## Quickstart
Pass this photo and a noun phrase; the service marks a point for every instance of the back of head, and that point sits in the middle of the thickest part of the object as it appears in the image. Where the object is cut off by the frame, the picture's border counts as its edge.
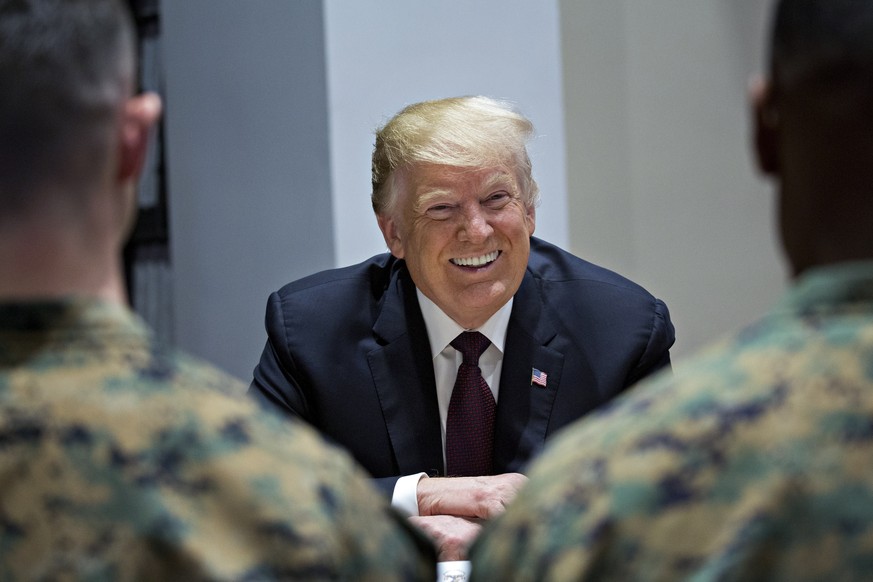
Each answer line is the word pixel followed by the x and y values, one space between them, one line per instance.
pixel 464 132
pixel 822 54
pixel 815 129
pixel 65 69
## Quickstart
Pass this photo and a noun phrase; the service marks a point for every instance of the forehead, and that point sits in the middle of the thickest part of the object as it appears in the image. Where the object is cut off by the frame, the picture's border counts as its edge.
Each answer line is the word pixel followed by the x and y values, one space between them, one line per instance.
pixel 429 180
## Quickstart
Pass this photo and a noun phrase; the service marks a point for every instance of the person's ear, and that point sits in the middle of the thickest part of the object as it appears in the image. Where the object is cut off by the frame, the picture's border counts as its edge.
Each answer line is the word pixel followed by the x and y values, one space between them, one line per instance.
pixel 391 233
pixel 138 117
pixel 531 219
pixel 766 125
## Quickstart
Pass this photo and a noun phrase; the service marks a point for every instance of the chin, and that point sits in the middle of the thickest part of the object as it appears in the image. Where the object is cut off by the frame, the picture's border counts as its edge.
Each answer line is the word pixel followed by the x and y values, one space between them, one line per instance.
pixel 488 308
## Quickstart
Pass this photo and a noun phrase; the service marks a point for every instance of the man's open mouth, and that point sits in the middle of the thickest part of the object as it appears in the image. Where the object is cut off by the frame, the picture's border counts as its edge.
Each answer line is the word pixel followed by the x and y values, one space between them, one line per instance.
pixel 479 261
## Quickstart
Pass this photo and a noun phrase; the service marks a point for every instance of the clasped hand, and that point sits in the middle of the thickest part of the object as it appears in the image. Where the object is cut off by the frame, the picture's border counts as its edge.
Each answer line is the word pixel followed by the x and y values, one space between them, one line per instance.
pixel 452 509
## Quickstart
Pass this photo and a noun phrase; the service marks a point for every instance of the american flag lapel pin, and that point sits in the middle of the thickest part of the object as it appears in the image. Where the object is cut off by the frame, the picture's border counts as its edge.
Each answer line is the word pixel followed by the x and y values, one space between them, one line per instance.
pixel 538 377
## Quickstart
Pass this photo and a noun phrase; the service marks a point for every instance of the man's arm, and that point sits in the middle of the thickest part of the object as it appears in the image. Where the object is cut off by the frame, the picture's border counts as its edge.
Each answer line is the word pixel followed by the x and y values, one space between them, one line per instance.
pixel 657 353
pixel 273 384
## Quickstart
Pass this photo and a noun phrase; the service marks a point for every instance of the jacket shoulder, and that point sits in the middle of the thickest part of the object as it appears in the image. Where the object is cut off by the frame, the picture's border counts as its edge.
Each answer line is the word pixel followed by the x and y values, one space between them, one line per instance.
pixel 374 273
pixel 552 264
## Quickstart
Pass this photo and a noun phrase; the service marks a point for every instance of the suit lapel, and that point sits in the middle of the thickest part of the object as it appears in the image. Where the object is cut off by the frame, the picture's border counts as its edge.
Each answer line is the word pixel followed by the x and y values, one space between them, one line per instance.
pixel 524 408
pixel 403 375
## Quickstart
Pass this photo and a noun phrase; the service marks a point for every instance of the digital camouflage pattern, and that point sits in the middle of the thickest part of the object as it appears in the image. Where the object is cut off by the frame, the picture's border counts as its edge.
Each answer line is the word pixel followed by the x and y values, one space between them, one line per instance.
pixel 122 460
pixel 753 462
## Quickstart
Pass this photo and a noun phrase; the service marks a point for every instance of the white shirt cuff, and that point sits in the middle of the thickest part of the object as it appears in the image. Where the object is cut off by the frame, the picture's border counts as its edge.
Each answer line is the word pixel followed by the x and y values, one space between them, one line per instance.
pixel 405 497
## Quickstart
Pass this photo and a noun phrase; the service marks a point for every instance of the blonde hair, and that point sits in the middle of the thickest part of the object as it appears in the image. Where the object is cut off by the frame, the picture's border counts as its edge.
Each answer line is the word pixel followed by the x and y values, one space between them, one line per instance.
pixel 464 132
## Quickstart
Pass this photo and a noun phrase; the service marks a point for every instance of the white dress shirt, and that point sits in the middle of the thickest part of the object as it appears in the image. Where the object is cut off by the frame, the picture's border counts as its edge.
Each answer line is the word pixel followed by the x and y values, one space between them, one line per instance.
pixel 441 330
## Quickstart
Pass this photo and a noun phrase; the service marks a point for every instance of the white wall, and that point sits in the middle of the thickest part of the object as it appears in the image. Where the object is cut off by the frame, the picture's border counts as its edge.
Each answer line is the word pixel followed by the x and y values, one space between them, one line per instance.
pixel 662 185
pixel 385 54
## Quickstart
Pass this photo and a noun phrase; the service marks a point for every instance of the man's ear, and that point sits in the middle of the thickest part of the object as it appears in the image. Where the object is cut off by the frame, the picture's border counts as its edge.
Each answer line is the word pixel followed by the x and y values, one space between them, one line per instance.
pixel 531 218
pixel 138 116
pixel 766 125
pixel 391 233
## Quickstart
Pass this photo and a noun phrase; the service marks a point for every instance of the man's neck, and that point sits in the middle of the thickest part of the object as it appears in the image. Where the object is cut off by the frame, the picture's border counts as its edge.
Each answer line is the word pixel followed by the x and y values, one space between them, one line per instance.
pixel 43 263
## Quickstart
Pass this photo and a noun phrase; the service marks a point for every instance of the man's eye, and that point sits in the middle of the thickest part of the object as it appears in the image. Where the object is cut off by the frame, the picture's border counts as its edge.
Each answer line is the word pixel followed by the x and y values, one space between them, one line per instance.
pixel 439 211
pixel 497 199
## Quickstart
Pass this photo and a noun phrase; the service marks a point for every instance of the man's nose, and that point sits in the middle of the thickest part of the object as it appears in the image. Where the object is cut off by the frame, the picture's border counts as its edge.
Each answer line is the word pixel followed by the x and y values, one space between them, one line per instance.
pixel 475 227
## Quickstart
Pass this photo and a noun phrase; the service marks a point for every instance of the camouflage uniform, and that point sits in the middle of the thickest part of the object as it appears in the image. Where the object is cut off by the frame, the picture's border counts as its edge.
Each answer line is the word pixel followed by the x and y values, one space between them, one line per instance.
pixel 122 460
pixel 753 462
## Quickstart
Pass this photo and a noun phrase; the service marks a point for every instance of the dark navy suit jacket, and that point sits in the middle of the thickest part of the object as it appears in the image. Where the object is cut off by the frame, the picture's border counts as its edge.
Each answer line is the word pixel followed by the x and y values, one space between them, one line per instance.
pixel 347 351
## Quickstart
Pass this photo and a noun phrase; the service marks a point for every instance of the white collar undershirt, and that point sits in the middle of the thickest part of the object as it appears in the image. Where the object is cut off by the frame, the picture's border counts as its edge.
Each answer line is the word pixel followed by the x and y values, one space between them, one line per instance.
pixel 441 330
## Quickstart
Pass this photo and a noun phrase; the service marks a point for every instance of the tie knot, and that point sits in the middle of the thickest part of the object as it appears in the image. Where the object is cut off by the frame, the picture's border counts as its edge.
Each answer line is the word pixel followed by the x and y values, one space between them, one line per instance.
pixel 471 344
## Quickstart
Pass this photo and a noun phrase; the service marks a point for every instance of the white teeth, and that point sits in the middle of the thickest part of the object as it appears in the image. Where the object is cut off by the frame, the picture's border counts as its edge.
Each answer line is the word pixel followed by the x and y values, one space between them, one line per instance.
pixel 476 261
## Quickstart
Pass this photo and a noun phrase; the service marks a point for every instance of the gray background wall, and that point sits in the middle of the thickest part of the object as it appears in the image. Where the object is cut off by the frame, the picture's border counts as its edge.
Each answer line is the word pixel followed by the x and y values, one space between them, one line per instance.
pixel 662 184
pixel 248 165
pixel 643 156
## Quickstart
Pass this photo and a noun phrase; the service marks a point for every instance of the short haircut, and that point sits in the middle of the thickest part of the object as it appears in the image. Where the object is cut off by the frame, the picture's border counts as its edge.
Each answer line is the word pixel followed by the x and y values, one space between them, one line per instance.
pixel 826 44
pixel 65 68
pixel 464 132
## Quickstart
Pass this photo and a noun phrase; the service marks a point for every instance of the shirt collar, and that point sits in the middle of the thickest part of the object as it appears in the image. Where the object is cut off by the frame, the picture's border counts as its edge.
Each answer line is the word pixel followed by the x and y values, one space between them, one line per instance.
pixel 442 329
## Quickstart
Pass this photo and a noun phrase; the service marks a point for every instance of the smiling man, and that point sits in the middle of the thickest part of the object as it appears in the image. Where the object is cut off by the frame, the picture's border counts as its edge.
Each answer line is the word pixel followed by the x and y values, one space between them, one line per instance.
pixel 466 234
pixel 445 365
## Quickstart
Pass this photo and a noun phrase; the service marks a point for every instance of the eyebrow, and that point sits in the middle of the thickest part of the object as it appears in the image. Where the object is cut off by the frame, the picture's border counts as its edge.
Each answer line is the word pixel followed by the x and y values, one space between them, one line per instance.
pixel 497 178
pixel 429 196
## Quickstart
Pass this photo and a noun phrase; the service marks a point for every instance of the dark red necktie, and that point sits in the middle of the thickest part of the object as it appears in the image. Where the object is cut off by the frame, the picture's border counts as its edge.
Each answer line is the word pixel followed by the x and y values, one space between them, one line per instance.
pixel 470 420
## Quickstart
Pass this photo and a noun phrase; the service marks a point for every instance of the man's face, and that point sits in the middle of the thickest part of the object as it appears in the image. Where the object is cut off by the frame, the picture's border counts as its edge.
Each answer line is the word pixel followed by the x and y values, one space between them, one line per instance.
pixel 465 236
